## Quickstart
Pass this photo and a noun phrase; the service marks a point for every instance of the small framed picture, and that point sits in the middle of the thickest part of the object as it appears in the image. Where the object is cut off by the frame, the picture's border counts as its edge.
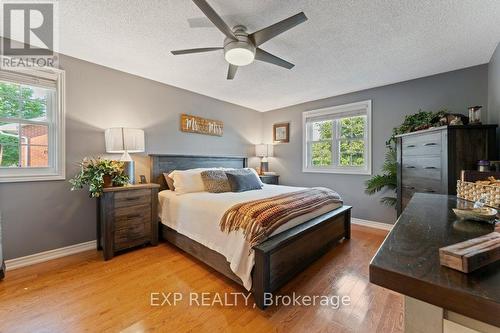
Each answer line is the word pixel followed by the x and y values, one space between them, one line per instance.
pixel 281 132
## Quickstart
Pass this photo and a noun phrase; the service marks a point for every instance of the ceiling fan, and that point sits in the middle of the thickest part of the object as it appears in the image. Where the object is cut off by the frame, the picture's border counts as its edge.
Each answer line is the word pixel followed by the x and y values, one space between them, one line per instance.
pixel 241 48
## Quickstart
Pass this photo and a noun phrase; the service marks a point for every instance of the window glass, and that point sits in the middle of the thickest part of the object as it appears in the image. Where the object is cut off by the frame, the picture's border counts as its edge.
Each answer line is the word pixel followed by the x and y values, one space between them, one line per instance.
pixel 321 153
pixel 31 125
pixel 337 139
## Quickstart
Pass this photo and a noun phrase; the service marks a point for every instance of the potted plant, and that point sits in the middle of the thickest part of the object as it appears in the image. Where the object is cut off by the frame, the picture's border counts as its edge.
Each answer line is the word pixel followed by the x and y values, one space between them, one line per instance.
pixel 98 173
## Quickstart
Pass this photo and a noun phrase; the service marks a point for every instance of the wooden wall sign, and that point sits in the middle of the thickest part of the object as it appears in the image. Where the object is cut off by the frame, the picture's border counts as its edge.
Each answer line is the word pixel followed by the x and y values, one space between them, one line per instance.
pixel 195 124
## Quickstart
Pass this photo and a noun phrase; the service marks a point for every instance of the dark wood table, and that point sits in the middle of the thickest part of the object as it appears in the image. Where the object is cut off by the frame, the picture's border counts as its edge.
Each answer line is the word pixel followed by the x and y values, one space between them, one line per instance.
pixel 408 260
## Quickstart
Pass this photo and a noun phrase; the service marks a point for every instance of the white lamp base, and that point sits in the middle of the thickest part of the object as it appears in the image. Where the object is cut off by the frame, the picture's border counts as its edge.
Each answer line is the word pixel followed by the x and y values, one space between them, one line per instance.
pixel 129 167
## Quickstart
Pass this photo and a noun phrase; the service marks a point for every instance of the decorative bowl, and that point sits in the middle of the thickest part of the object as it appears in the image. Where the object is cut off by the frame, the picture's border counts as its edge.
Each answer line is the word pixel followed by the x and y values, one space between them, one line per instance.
pixel 484 214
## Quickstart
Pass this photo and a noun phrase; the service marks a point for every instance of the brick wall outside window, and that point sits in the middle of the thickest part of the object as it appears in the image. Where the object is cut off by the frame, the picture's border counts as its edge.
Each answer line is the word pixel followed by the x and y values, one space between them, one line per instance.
pixel 34 147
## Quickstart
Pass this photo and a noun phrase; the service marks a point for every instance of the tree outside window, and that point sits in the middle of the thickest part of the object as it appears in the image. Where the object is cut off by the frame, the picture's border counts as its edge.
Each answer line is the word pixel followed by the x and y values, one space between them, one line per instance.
pixel 23 127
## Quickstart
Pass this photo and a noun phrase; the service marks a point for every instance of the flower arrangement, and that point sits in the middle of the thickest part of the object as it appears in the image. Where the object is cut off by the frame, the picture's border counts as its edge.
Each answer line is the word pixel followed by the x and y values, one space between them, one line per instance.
pixel 98 173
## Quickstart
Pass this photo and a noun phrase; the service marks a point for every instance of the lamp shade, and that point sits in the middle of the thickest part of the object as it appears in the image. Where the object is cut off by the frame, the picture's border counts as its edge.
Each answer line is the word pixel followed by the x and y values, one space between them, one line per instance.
pixel 120 140
pixel 264 150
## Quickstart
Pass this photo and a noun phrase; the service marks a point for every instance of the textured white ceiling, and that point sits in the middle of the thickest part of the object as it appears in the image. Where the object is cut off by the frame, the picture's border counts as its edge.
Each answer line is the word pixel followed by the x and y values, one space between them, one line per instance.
pixel 345 46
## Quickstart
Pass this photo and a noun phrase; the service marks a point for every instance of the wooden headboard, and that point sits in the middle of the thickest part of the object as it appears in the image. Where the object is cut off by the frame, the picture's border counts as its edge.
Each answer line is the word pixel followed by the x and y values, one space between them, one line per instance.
pixel 168 163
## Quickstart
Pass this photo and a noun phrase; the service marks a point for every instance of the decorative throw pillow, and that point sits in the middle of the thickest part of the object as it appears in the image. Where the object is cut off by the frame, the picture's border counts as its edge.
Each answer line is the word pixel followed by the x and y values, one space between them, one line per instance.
pixel 243 180
pixel 245 171
pixel 170 182
pixel 215 181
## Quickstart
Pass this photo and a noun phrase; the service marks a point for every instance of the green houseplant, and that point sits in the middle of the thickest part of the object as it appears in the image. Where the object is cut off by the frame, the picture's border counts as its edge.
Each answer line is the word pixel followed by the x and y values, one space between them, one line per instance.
pixel 98 173
pixel 387 179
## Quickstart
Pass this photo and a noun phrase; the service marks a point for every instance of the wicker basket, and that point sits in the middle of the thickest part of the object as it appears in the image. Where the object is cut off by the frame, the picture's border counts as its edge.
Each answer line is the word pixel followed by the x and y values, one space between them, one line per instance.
pixel 473 192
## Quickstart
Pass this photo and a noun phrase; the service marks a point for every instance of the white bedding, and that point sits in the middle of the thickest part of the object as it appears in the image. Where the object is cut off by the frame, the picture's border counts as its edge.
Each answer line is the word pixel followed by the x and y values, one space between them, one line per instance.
pixel 197 216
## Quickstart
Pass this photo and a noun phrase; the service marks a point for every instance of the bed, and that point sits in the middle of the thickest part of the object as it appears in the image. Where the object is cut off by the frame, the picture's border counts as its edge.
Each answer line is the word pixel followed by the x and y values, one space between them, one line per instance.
pixel 263 268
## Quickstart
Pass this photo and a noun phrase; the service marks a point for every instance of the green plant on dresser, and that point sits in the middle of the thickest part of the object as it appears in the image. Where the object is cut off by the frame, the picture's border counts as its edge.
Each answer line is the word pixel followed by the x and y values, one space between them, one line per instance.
pixel 97 174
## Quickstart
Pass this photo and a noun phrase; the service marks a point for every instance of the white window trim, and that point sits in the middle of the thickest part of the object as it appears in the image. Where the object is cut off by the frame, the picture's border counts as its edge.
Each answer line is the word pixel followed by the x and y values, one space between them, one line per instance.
pixel 57 133
pixel 346 108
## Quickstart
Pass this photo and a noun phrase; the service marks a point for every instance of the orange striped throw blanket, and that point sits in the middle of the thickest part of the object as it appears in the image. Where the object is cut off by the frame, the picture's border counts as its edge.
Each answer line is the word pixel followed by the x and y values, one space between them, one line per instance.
pixel 260 218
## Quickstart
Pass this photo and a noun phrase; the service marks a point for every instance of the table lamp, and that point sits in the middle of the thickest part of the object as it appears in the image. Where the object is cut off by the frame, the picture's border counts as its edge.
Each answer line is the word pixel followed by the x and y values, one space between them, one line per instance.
pixel 264 151
pixel 125 140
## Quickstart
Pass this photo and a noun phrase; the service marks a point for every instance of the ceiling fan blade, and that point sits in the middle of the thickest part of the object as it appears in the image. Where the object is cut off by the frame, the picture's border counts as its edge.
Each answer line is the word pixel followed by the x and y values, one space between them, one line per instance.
pixel 198 50
pixel 231 72
pixel 262 55
pixel 263 35
pixel 215 18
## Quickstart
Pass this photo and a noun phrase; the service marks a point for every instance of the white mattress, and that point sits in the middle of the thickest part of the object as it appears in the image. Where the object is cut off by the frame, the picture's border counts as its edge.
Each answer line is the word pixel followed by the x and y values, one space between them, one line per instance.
pixel 197 216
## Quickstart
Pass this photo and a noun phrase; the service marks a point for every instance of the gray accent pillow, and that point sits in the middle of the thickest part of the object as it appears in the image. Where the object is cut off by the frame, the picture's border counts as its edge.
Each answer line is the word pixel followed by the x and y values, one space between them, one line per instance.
pixel 170 182
pixel 215 181
pixel 243 180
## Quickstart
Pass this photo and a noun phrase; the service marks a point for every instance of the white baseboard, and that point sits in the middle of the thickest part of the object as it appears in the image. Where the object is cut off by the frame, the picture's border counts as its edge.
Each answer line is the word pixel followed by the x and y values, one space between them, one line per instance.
pixel 372 224
pixel 49 255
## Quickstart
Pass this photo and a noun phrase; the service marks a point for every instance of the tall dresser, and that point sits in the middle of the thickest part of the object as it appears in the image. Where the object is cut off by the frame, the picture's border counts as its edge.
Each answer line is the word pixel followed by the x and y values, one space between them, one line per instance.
pixel 430 161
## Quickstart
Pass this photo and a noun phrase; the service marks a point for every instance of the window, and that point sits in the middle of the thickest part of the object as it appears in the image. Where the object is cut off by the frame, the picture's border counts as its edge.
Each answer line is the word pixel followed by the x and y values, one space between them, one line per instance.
pixel 338 139
pixel 31 125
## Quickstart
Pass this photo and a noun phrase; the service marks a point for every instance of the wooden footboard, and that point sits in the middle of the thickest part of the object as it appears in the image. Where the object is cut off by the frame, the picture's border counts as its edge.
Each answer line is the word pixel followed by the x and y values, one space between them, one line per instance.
pixel 281 257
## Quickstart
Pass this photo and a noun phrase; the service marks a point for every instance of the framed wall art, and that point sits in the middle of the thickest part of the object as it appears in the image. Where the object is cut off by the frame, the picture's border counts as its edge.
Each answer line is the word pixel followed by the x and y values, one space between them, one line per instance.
pixel 281 132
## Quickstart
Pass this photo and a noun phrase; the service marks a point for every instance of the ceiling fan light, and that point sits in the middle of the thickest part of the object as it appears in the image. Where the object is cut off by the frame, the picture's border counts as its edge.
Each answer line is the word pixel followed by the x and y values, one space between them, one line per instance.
pixel 239 56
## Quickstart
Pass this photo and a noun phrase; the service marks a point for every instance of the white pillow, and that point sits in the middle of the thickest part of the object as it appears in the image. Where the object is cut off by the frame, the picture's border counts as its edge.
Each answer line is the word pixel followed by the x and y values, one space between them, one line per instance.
pixel 188 181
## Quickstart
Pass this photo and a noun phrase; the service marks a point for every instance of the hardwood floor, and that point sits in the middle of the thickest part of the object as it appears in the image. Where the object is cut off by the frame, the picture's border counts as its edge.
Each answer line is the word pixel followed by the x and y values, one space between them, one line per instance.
pixel 82 293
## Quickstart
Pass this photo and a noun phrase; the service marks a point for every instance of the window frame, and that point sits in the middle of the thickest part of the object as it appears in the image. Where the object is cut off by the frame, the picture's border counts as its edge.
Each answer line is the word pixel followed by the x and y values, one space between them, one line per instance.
pixel 333 113
pixel 56 169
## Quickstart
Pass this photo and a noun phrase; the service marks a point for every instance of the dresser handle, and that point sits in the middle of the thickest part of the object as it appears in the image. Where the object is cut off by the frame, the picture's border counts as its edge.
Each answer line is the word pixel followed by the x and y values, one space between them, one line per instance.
pixel 430 144
pixel 410 167
pixel 430 167
pixel 428 190
pixel 133 216
pixel 410 146
pixel 132 198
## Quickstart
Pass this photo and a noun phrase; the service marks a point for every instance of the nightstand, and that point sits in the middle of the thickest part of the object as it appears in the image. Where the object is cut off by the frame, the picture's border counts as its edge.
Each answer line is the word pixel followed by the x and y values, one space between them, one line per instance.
pixel 127 217
pixel 270 179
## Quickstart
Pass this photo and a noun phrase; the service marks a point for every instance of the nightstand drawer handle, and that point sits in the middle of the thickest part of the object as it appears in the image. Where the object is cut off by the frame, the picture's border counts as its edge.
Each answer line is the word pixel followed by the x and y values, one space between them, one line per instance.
pixel 132 198
pixel 430 168
pixel 430 144
pixel 133 216
pixel 410 146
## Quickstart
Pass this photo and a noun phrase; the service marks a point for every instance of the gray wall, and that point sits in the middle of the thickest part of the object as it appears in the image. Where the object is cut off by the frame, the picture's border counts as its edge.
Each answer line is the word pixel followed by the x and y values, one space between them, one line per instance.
pixel 494 89
pixel 39 216
pixel 453 90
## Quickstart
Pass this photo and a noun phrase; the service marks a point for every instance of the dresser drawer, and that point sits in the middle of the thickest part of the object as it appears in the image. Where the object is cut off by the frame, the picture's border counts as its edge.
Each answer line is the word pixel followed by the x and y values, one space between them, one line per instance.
pixel 421 167
pixel 428 187
pixel 426 144
pixel 132 236
pixel 131 198
pixel 129 216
